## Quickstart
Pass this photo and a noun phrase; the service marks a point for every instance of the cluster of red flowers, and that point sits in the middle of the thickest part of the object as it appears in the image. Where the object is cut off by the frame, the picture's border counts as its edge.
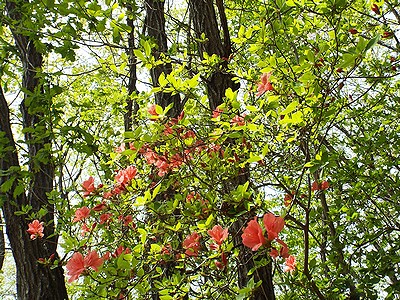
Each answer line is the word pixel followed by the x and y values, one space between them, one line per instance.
pixel 161 162
pixel 88 186
pixel 35 229
pixel 123 179
pixel 81 214
pixel 254 237
pixel 192 245
pixel 218 235
pixel 79 264
pixel 324 185
pixel 265 85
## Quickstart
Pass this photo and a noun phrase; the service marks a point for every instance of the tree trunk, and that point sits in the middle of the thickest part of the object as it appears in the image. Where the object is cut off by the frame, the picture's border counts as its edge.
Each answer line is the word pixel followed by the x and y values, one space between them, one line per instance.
pixel 131 106
pixel 2 245
pixel 155 25
pixel 204 20
pixel 34 281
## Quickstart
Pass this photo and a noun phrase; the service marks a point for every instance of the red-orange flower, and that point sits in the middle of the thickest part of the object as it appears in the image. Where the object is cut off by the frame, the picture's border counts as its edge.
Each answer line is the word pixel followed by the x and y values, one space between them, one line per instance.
pixel 35 229
pixel 192 244
pixel 290 264
pixel 238 120
pixel 92 260
pixel 217 112
pixel 314 186
pixel 284 251
pixel 324 185
pixel 152 110
pixel 273 224
pixel 75 266
pixel 274 253
pixel 78 264
pixel 105 218
pixel 100 207
pixel 121 250
pixel 264 85
pixel 253 236
pixel 126 175
pixel 218 234
pixel 88 186
pixel 81 214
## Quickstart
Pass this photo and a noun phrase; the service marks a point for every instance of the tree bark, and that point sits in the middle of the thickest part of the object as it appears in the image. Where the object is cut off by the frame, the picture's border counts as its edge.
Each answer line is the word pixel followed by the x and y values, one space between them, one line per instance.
pixel 2 245
pixel 131 106
pixel 34 281
pixel 204 19
pixel 155 25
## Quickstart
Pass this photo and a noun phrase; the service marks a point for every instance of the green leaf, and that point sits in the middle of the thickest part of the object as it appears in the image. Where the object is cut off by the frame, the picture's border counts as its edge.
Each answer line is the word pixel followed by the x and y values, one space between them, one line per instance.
pixel 372 42
pixel 139 55
pixel 291 107
pixel 6 186
pixel 155 191
pixel 155 248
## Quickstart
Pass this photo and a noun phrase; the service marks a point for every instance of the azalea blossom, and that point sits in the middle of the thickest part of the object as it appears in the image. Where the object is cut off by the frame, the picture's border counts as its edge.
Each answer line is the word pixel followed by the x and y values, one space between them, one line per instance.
pixel 121 250
pixel 274 253
pixel 126 175
pixel 35 229
pixel 288 199
pixel 81 214
pixel 152 110
pixel 100 207
pixel 314 186
pixel 217 112
pixel 78 264
pixel 273 224
pixel 126 220
pixel 218 234
pixel 88 186
pixel 284 251
pixel 224 261
pixel 238 120
pixel 92 260
pixel 264 85
pixel 150 156
pixel 324 185
pixel 85 229
pixel 105 218
pixel 75 266
pixel 176 160
pixel 191 244
pixel 253 236
pixel 290 264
